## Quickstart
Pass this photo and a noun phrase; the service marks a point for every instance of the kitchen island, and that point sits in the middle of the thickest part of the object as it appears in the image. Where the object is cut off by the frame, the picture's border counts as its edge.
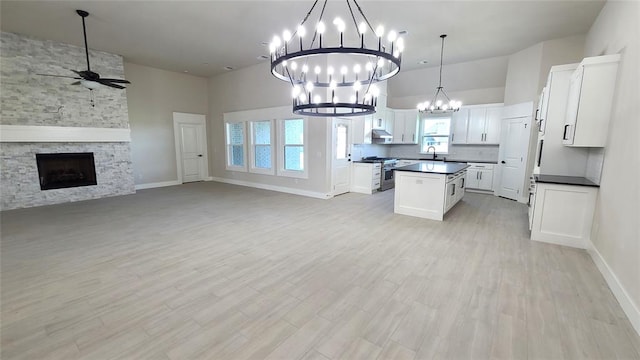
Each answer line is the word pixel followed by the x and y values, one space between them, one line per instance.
pixel 428 189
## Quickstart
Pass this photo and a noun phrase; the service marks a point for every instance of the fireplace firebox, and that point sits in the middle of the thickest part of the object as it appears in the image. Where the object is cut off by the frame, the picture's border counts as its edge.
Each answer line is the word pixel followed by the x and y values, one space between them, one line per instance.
pixel 65 170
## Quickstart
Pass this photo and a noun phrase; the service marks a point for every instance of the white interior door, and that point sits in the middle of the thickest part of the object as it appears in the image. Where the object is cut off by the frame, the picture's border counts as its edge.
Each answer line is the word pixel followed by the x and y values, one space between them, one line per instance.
pixel 512 164
pixel 341 156
pixel 191 147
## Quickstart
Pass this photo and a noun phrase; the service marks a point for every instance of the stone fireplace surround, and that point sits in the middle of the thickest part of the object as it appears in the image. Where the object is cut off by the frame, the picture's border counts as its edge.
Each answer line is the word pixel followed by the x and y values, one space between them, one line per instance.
pixel 47 115
pixel 19 181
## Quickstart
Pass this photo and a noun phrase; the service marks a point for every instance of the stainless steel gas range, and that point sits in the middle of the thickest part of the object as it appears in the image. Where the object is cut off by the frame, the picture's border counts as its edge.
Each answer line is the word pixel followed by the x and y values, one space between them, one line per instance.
pixel 387 180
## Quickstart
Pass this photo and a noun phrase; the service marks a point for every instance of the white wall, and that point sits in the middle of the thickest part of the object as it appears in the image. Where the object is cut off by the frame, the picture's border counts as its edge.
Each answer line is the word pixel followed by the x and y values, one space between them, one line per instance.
pixel 616 225
pixel 152 98
pixel 474 82
pixel 255 88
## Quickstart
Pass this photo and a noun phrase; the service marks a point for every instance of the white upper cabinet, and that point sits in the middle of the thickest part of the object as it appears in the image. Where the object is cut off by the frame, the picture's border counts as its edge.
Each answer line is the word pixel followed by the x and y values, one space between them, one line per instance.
pixel 459 123
pixel 361 129
pixel 405 127
pixel 492 125
pixel 590 101
pixel 484 125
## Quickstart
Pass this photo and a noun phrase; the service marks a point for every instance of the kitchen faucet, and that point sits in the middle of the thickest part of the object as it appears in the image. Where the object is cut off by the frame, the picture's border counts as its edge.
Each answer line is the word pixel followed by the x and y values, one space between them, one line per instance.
pixel 434 151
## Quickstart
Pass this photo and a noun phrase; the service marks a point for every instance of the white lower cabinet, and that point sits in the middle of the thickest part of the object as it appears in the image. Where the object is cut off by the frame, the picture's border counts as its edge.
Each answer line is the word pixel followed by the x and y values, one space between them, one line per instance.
pixel 365 178
pixel 427 195
pixel 563 214
pixel 480 176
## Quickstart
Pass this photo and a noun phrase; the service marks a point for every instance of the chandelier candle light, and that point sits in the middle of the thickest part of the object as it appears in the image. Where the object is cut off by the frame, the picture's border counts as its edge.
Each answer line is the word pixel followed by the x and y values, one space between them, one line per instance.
pixel 333 72
pixel 437 105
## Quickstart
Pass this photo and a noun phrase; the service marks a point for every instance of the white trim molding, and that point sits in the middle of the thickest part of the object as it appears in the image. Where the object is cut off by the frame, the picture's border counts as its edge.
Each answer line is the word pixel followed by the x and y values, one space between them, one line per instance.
pixel 157 184
pixel 31 133
pixel 282 189
pixel 627 304
pixel 193 119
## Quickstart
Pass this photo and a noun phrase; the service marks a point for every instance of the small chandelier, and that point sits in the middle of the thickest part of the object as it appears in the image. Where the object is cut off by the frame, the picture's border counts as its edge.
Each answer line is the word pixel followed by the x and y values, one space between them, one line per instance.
pixel 334 73
pixel 444 104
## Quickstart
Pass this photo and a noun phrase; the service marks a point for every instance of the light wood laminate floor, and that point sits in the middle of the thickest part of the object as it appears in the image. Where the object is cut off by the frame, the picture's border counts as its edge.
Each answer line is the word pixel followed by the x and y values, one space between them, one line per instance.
pixel 216 271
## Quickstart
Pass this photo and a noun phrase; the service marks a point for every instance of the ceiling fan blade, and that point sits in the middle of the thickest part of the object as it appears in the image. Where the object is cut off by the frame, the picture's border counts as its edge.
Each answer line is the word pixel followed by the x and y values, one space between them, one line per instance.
pixel 107 83
pixel 121 81
pixel 62 76
pixel 76 83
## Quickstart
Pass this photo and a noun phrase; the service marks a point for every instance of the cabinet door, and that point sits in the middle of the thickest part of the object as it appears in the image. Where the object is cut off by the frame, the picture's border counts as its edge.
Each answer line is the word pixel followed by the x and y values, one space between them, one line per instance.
pixel 461 186
pixel 573 102
pixel 459 122
pixel 449 197
pixel 486 180
pixel 357 130
pixel 475 134
pixel 493 122
pixel 398 128
pixel 389 117
pixel 368 126
pixel 473 179
pixel 410 127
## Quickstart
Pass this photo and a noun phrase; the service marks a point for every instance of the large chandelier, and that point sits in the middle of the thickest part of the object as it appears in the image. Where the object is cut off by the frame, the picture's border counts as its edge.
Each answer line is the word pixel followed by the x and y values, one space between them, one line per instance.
pixel 440 105
pixel 333 72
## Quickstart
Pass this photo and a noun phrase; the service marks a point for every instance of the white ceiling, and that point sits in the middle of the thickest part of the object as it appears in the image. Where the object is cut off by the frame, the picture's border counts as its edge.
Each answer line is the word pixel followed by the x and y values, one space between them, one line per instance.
pixel 203 37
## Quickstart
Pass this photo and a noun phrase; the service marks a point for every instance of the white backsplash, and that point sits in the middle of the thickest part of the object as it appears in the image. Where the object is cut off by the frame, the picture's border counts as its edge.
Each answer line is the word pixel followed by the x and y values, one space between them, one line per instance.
pixel 358 151
pixel 456 152
pixel 594 164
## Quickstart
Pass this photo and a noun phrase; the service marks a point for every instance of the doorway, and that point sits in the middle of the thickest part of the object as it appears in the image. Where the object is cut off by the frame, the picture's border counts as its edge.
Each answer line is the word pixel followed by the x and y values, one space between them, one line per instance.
pixel 514 149
pixel 341 156
pixel 190 134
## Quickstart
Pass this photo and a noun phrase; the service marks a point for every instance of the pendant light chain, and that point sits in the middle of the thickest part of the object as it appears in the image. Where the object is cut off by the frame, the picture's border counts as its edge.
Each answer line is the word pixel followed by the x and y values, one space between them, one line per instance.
pixel 438 106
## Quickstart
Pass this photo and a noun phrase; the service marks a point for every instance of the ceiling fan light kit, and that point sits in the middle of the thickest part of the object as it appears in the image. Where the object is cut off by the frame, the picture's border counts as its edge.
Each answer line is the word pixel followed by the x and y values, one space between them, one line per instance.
pixel 440 105
pixel 87 78
pixel 332 73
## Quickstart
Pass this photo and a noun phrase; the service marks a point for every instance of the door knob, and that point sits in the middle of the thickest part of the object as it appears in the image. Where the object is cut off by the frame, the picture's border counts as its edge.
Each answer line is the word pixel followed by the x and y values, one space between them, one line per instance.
pixel 199 155
pixel 504 162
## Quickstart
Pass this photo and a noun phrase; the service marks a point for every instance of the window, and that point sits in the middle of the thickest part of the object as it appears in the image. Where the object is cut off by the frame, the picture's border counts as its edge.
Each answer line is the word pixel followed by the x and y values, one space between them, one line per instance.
pixel 235 146
pixel 261 155
pixel 435 132
pixel 292 150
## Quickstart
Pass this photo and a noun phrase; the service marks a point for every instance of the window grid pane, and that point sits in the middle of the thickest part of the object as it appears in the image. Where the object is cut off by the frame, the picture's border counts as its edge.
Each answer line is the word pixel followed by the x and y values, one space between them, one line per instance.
pixel 236 133
pixel 294 132
pixel 262 132
pixel 236 155
pixel 294 157
pixel 263 156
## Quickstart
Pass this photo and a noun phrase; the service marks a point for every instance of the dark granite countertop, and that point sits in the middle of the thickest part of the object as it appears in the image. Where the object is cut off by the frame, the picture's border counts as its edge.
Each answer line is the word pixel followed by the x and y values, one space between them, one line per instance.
pixel 435 167
pixel 450 160
pixel 565 180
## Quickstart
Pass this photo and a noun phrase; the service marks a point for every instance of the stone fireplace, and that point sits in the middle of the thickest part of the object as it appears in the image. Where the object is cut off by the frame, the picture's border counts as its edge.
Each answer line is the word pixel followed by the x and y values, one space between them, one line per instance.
pixel 47 115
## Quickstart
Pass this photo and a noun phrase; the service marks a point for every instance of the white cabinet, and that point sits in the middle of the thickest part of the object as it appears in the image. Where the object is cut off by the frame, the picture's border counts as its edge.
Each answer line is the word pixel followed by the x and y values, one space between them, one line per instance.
pixel 459 123
pixel 361 129
pixel 543 106
pixel 480 176
pixel 365 178
pixel 563 214
pixel 455 188
pixel 590 102
pixel 405 127
pixel 427 195
pixel 476 124
pixel 484 125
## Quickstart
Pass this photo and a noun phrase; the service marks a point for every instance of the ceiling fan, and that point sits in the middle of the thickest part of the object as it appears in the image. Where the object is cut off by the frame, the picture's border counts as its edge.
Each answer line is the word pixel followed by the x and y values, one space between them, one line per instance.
pixel 87 78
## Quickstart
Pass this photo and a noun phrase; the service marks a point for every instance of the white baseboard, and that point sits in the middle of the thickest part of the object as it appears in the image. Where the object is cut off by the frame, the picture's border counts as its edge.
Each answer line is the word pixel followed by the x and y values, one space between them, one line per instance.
pixel 627 304
pixel 283 189
pixel 157 184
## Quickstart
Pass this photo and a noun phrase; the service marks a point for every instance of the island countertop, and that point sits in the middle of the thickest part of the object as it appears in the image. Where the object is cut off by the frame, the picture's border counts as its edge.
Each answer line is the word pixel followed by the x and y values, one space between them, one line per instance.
pixel 434 167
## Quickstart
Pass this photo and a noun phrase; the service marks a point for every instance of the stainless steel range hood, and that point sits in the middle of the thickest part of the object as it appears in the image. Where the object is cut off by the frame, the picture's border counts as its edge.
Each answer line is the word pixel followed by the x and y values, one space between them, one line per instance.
pixel 380 134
